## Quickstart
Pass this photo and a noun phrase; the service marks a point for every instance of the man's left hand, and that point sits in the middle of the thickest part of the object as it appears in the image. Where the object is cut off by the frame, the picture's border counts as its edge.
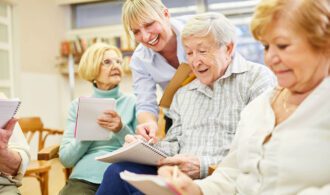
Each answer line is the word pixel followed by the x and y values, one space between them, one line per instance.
pixel 189 164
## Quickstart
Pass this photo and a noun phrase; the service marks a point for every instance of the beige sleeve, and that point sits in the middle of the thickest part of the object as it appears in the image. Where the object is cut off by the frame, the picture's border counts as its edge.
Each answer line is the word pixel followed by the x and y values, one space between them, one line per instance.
pixel 18 143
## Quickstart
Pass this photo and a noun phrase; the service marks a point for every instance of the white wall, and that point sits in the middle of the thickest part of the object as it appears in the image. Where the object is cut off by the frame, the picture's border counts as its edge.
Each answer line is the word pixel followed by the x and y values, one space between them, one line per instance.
pixel 39 28
pixel 40 94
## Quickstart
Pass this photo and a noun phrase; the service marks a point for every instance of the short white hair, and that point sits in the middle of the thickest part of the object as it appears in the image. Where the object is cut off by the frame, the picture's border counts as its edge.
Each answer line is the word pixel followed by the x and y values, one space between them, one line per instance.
pixel 215 24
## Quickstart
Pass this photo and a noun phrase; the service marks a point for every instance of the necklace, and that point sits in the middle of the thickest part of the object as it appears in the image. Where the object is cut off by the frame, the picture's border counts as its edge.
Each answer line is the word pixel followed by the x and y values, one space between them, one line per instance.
pixel 286 105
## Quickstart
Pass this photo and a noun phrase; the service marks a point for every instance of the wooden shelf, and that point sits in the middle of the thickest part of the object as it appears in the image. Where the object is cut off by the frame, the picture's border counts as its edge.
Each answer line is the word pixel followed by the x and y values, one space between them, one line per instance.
pixel 64 70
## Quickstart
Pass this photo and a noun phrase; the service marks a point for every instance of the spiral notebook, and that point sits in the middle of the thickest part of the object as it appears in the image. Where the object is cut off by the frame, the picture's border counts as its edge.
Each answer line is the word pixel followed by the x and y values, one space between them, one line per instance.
pixel 150 184
pixel 89 109
pixel 138 152
pixel 8 109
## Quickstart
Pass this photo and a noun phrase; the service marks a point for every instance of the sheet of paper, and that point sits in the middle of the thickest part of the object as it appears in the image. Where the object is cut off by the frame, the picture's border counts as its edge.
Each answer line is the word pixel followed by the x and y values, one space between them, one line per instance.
pixel 8 108
pixel 89 109
pixel 150 184
pixel 138 152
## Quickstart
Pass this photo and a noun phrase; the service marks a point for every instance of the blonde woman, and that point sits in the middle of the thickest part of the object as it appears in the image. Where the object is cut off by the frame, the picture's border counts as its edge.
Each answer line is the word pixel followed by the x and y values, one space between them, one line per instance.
pixel 101 66
pixel 283 139
pixel 156 58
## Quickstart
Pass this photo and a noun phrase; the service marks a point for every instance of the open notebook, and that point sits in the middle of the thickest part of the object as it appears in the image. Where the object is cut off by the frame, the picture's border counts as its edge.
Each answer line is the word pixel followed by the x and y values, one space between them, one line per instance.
pixel 8 108
pixel 138 152
pixel 150 184
pixel 89 109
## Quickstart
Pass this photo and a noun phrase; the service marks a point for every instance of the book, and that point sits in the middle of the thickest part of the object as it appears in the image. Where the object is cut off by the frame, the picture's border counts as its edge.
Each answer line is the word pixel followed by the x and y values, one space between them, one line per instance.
pixel 150 184
pixel 138 152
pixel 182 76
pixel 8 109
pixel 89 109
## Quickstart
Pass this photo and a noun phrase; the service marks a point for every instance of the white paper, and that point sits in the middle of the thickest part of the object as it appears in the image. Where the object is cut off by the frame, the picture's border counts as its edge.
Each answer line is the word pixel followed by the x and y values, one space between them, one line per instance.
pixel 8 108
pixel 149 184
pixel 138 152
pixel 89 110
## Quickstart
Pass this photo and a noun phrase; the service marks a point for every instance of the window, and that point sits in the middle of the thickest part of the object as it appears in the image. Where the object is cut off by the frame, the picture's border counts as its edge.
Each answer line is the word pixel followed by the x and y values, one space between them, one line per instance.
pixel 239 11
pixel 97 14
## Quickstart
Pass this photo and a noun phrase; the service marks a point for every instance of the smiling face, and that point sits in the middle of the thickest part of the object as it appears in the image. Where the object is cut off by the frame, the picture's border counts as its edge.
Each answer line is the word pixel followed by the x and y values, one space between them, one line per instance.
pixel 110 71
pixel 154 34
pixel 206 58
pixel 295 63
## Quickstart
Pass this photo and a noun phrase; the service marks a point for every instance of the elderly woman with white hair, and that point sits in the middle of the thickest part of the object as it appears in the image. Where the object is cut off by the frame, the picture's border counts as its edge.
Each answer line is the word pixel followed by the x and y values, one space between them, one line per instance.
pixel 205 112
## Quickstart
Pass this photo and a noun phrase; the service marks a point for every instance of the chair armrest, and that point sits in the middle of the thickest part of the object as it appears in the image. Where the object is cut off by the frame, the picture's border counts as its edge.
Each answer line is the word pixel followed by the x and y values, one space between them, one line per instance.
pixel 211 169
pixel 49 153
pixel 54 131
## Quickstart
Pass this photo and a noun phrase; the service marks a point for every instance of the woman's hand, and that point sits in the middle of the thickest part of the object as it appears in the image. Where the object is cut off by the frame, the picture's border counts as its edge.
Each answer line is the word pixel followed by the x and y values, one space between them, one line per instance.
pixel 110 120
pixel 189 164
pixel 129 139
pixel 148 130
pixel 181 181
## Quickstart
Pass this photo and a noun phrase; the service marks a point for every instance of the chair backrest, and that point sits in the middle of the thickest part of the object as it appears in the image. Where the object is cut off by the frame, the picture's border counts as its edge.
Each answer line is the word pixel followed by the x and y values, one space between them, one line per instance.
pixel 182 77
pixel 31 126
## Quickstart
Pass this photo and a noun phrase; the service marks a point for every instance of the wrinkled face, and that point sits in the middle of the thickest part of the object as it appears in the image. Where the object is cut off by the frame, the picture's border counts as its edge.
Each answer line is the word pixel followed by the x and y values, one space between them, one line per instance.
pixel 153 34
pixel 206 58
pixel 110 70
pixel 295 63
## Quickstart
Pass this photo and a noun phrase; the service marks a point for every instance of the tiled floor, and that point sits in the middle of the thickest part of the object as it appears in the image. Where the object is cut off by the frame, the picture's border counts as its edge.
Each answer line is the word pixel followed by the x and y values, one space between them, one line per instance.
pixel 56 181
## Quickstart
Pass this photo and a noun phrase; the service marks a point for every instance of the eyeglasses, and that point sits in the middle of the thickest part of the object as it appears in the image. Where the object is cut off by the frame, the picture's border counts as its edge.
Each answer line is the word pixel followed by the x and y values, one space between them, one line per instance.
pixel 110 62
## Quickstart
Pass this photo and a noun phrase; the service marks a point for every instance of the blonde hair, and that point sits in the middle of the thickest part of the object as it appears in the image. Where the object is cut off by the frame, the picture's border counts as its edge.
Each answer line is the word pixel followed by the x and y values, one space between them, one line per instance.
pixel 137 11
pixel 89 66
pixel 311 17
pixel 216 24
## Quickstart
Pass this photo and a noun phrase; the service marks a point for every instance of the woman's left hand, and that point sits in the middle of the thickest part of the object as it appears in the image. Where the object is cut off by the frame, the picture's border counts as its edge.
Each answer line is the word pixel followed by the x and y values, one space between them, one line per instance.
pixel 188 164
pixel 184 184
pixel 110 120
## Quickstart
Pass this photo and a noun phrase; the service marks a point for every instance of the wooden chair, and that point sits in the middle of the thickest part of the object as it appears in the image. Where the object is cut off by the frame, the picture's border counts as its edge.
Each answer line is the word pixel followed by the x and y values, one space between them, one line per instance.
pixel 51 152
pixel 182 77
pixel 38 168
pixel 212 169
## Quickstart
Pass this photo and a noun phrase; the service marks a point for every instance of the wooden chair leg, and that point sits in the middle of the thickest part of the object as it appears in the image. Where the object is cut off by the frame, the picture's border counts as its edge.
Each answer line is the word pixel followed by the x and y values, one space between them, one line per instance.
pixel 44 182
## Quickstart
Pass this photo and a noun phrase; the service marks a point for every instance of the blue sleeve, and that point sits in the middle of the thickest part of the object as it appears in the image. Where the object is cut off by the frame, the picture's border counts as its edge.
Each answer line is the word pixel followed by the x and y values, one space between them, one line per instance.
pixel 131 120
pixel 144 88
pixel 72 150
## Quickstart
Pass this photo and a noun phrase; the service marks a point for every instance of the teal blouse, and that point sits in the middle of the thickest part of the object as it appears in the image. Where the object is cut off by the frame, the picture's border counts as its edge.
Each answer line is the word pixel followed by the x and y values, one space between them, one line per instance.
pixel 81 154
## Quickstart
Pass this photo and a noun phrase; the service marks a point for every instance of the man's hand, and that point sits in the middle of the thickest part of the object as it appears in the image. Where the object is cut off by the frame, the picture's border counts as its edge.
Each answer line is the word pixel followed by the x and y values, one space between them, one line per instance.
pixel 110 120
pixel 181 181
pixel 188 164
pixel 148 130
pixel 6 133
pixel 10 160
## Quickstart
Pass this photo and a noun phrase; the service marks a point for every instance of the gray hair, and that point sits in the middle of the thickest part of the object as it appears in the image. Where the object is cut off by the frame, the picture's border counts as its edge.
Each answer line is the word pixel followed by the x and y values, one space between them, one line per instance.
pixel 216 24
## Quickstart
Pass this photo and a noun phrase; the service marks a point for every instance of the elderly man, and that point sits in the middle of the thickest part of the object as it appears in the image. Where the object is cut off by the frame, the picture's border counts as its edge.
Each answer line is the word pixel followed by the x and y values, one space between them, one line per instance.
pixel 14 157
pixel 205 112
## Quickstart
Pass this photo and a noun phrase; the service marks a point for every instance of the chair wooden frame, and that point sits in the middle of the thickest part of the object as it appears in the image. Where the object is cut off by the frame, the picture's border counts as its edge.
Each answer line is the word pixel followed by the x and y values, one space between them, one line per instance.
pixel 51 152
pixel 38 169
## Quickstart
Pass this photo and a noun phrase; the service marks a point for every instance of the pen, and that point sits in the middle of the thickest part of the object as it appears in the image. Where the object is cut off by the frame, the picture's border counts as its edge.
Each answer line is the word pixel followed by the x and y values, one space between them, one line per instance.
pixel 175 172
pixel 150 141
